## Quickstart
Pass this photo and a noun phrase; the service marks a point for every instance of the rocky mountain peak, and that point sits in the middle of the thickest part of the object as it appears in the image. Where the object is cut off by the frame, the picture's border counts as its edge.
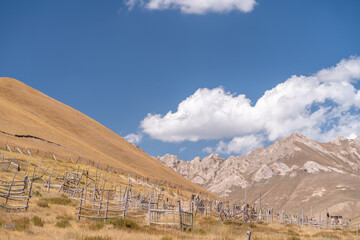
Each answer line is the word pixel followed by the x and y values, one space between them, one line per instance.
pixel 287 157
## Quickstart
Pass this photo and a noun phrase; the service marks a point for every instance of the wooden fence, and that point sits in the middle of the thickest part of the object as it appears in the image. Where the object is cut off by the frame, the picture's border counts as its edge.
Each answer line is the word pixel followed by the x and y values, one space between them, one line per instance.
pixel 15 194
pixel 171 217
pixel 249 214
pixel 81 160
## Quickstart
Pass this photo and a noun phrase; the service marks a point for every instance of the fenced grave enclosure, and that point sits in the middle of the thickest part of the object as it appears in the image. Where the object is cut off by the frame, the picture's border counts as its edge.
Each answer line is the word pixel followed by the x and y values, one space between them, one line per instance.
pixel 250 214
pixel 16 193
pixel 104 199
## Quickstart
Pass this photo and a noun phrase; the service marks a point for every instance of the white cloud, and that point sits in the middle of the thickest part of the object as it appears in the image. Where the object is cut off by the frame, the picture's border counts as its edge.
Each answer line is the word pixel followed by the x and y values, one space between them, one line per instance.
pixel 208 150
pixel 243 145
pixel 321 106
pixel 182 149
pixel 196 6
pixel 133 138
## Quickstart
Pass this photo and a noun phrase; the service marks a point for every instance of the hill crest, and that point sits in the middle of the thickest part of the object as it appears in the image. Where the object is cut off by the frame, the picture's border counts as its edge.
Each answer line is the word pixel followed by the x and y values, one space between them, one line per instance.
pixel 55 127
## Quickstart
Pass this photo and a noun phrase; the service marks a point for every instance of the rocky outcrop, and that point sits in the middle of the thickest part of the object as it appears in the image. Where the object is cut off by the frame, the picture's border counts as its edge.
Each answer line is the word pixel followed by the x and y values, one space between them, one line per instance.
pixel 286 157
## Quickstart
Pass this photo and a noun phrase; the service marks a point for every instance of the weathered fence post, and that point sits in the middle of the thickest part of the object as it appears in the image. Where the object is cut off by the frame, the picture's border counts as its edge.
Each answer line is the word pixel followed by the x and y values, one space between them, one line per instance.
pixel 248 235
pixel 180 216
pixel 220 211
pixel 9 191
pixel 210 208
pixel 302 218
pixel 102 196
pixel 150 208
pixel 319 219
pixel 30 189
pixel 107 206
pixel 82 195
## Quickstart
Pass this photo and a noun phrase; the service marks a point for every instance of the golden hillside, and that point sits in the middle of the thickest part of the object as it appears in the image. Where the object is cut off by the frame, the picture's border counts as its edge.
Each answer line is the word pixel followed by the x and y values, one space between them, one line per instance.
pixel 32 119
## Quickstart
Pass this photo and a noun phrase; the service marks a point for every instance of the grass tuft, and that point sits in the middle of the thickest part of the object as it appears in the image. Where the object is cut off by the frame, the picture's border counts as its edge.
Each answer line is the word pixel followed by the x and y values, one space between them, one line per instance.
pixel 37 193
pixel 166 238
pixel 37 221
pixel 96 226
pixel 63 223
pixel 199 231
pixel 21 224
pixel 42 204
pixel 121 223
pixel 58 200
pixel 96 238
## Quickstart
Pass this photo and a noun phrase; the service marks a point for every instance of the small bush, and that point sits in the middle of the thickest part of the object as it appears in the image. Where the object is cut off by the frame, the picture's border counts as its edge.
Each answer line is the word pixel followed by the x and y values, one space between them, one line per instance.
pixel 96 225
pixel 2 222
pixel 96 238
pixel 120 223
pixel 233 223
pixel 37 193
pixel 166 238
pixel 293 238
pixel 63 223
pixel 42 204
pixel 62 217
pixel 292 232
pixel 37 221
pixel 58 200
pixel 199 231
pixel 21 224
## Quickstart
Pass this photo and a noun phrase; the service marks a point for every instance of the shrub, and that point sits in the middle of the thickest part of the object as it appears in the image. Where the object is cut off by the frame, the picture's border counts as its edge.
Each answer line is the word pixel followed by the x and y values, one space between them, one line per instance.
pixel 58 200
pixel 166 238
pixel 294 238
pixel 66 217
pixel 253 226
pixel 96 225
pixel 96 238
pixel 37 193
pixel 42 204
pixel 120 223
pixel 199 231
pixel 63 223
pixel 21 224
pixel 37 221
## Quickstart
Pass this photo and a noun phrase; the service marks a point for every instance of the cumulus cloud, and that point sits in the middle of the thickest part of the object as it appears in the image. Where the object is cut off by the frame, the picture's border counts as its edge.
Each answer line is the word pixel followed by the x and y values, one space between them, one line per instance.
pixel 182 149
pixel 133 138
pixel 243 145
pixel 195 6
pixel 321 106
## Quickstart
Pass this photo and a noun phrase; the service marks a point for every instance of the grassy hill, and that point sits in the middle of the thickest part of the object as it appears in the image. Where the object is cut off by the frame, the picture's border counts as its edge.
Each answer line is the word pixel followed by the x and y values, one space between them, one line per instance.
pixel 32 119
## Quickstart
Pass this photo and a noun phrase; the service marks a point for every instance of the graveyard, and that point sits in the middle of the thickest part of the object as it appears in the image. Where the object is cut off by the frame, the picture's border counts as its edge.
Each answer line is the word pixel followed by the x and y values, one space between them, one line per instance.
pixel 43 196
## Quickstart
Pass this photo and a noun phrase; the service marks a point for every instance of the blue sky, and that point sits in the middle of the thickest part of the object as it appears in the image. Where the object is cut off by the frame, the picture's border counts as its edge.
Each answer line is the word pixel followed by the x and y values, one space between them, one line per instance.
pixel 118 61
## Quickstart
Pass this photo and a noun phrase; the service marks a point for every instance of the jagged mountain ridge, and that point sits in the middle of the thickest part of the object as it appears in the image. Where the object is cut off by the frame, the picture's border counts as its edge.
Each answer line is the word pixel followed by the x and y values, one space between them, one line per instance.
pixel 289 166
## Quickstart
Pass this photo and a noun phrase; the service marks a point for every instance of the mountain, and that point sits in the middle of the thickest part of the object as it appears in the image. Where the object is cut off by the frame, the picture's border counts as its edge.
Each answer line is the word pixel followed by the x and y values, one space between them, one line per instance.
pixel 292 173
pixel 30 118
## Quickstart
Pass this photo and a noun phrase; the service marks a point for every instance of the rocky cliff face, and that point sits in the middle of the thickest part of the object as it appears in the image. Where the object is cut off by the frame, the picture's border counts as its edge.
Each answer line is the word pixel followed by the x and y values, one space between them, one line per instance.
pixel 293 168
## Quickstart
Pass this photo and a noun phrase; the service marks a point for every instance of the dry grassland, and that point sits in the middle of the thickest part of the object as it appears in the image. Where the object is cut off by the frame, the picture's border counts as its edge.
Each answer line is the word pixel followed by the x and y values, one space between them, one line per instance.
pixel 53 216
pixel 51 126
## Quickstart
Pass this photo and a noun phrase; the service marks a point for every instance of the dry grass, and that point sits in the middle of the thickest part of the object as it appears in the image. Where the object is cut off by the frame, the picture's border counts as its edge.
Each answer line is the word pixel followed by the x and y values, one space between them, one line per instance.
pixel 61 223
pixel 26 111
pixel 53 216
